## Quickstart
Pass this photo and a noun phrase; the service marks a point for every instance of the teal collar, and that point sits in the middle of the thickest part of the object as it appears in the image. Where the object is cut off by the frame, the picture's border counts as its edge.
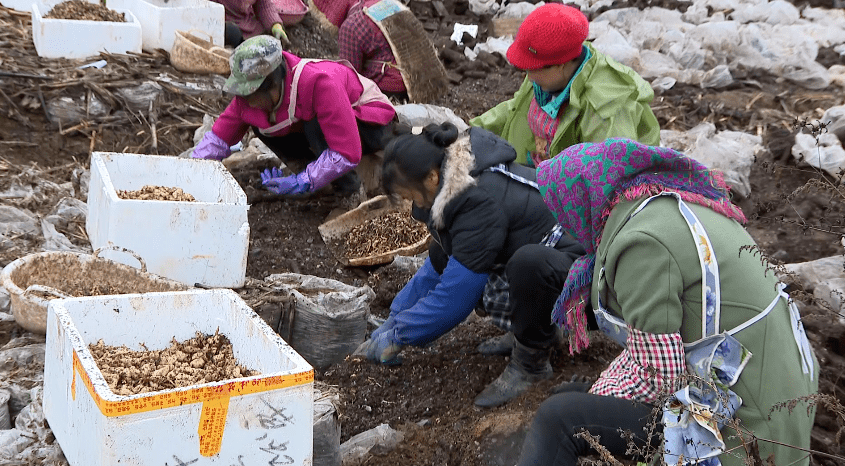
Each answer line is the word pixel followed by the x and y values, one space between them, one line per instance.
pixel 551 102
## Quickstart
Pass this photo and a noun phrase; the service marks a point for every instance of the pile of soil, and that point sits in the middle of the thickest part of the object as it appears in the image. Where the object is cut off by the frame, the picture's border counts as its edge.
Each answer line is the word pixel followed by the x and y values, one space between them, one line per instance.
pixel 202 359
pixel 382 234
pixel 156 193
pixel 85 11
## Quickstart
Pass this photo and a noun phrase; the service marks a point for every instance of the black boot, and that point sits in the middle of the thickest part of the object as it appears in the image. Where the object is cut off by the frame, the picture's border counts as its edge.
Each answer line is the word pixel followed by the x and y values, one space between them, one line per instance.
pixel 527 366
pixel 500 345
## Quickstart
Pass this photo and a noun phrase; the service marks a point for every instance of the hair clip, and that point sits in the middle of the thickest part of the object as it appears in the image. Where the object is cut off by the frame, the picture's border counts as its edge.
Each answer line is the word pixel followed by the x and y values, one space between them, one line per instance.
pixel 531 49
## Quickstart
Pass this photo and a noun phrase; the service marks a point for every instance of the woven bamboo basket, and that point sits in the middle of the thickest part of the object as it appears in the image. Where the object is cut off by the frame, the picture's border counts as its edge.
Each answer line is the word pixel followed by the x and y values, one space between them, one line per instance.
pixel 193 54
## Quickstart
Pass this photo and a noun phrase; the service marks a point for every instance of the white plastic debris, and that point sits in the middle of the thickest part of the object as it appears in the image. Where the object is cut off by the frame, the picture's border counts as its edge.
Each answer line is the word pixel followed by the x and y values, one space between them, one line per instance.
pixel 460 29
pixel 485 7
pixel 424 114
pixel 825 153
pixel 356 449
pixel 825 278
pixel 731 152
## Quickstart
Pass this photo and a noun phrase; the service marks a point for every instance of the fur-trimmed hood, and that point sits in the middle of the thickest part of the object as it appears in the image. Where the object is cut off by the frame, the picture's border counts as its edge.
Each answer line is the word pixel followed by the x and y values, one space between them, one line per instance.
pixel 472 153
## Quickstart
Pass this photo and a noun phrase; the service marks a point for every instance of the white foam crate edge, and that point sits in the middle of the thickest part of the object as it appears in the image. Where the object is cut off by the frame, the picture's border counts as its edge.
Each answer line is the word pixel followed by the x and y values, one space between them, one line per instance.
pixel 250 420
pixel 160 19
pixel 51 36
pixel 202 242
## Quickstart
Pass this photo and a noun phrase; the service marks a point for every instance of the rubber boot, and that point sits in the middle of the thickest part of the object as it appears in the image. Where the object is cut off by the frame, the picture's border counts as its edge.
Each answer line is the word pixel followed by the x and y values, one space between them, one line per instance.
pixel 527 366
pixel 500 345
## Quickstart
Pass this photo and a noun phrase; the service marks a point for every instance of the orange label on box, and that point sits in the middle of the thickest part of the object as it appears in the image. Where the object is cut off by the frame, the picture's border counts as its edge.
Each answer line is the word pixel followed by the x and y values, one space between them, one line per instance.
pixel 215 401
pixel 212 422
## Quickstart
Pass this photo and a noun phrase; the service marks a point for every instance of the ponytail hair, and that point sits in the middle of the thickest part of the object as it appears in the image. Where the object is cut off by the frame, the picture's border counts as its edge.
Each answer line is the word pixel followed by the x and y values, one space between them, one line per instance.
pixel 409 158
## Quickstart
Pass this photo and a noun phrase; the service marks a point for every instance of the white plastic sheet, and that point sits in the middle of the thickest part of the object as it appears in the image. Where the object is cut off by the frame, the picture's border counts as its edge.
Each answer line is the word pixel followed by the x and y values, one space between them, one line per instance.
pixel 485 7
pixel 826 153
pixel 424 114
pixel 518 9
pixel 731 152
pixel 356 449
pixel 774 12
pixel 825 278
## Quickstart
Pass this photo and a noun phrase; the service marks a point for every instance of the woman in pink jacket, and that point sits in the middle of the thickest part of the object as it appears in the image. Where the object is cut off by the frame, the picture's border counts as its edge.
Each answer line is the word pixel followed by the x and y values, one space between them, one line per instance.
pixel 282 97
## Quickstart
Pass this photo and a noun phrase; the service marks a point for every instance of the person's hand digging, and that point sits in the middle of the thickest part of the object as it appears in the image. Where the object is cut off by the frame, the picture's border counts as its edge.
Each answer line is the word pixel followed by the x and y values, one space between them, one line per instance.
pixel 275 181
pixel 381 349
pixel 279 33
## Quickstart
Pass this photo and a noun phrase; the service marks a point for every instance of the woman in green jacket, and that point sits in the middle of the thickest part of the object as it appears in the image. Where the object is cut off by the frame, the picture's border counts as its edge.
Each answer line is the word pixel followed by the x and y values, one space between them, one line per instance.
pixel 705 329
pixel 572 93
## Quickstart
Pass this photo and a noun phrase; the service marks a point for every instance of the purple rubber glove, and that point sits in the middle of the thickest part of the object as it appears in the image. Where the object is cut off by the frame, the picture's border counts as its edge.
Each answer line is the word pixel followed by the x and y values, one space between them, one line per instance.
pixel 211 147
pixel 328 167
pixel 274 180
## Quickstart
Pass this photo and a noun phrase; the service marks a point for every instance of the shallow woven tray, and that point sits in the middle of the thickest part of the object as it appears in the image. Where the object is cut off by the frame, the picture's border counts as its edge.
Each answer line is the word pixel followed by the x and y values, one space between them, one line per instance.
pixel 334 232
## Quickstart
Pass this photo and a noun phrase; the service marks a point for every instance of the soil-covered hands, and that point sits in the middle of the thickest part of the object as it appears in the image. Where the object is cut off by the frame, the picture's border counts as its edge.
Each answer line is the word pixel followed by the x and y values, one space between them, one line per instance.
pixel 381 349
pixel 274 180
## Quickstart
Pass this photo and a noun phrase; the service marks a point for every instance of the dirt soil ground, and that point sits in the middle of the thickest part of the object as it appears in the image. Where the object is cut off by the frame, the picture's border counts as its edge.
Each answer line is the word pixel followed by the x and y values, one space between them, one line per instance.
pixel 430 395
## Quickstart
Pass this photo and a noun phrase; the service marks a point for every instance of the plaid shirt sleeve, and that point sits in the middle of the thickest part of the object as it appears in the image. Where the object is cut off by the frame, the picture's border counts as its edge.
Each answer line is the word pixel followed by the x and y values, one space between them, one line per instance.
pixel 649 366
pixel 363 44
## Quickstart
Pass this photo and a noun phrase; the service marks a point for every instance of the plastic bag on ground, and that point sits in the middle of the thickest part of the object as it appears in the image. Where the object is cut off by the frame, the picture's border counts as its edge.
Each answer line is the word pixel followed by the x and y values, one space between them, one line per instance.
pixel 31 440
pixel 55 241
pixel 485 7
pixel 356 449
pixel 424 114
pixel 731 152
pixel 14 221
pixel 612 43
pixel 518 9
pixel 825 278
pixel 834 117
pixel 774 12
pixel 68 210
pixel 826 154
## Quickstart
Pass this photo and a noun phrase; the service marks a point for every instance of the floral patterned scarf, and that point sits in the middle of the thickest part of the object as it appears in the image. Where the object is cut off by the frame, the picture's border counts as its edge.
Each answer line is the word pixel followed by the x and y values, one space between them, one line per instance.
pixel 583 183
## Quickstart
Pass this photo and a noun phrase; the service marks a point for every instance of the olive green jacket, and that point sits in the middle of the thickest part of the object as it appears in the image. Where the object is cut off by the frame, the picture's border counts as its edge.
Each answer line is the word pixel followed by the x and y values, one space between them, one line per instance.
pixel 653 281
pixel 607 99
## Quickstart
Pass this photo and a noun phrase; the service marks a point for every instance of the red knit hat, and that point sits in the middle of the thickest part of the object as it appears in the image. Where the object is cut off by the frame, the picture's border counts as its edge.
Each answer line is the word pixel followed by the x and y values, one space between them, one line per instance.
pixel 552 34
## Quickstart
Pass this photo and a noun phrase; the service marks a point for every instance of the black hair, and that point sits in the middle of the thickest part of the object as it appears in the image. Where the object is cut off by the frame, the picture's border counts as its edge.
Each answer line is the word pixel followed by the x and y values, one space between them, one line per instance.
pixel 409 158
pixel 276 78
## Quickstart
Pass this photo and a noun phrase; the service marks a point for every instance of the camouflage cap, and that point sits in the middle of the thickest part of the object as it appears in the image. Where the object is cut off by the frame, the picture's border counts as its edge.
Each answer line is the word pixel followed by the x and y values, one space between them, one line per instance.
pixel 251 62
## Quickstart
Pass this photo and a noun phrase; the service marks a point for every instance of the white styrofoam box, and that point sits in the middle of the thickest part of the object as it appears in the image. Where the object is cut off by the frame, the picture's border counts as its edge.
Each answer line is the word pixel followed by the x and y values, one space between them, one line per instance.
pixel 160 19
pixel 203 242
pixel 266 418
pixel 70 38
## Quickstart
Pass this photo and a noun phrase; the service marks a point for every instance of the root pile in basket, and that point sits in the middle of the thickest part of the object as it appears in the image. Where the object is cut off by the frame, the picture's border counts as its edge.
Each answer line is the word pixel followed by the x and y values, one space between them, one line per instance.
pixel 156 193
pixel 384 233
pixel 82 10
pixel 77 289
pixel 202 359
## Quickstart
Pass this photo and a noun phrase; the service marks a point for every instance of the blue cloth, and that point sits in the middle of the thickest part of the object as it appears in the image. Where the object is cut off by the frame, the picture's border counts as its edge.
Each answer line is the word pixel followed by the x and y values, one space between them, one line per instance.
pixel 551 102
pixel 385 326
pixel 420 285
pixel 382 349
pixel 432 306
